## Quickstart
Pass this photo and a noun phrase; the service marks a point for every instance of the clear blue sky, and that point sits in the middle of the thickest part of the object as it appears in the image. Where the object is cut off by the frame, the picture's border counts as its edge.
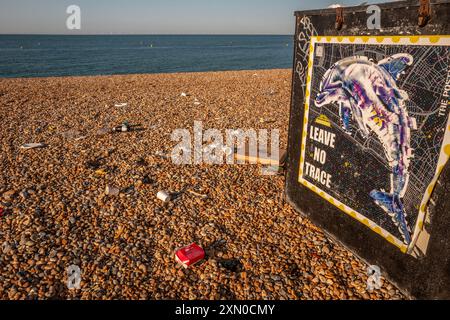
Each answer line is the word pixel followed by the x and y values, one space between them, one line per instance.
pixel 158 16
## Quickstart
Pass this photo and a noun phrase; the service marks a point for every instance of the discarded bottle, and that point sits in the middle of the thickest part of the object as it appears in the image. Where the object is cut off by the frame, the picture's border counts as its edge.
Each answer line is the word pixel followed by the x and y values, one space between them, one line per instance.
pixel 190 255
pixel 125 127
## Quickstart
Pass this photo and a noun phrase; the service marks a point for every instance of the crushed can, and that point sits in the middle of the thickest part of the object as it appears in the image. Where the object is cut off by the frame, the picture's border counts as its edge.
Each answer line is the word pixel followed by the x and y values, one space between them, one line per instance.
pixel 190 255
pixel 1 212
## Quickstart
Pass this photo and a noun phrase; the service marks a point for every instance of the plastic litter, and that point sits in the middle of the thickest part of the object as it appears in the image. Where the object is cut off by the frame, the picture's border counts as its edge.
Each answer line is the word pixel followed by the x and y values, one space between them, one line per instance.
pixel 28 146
pixel 125 127
pixel 164 196
pixel 120 105
pixel 190 255
pixel 271 170
pixel 203 196
pixel 2 212
pixel 111 191
pixel 80 138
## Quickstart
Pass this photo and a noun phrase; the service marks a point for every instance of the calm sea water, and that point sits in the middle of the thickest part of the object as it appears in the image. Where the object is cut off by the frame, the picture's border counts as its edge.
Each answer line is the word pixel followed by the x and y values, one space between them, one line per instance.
pixel 43 56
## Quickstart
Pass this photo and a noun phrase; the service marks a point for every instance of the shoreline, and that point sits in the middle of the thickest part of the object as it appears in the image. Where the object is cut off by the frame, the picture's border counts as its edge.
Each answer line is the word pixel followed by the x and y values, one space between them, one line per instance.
pixel 145 74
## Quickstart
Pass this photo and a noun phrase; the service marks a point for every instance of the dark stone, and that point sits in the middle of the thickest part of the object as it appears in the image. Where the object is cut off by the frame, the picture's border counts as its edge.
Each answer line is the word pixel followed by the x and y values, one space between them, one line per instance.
pixel 147 180
pixel 232 265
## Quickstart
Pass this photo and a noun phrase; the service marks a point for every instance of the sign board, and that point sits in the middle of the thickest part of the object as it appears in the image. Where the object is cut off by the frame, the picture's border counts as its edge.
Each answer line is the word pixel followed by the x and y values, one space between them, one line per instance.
pixel 369 138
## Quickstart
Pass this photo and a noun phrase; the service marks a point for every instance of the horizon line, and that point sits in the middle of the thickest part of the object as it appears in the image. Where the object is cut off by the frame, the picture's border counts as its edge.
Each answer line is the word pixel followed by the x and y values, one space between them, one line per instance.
pixel 146 34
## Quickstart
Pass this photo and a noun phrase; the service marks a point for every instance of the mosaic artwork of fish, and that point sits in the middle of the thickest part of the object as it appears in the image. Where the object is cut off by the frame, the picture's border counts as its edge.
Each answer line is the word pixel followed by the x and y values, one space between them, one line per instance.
pixel 367 93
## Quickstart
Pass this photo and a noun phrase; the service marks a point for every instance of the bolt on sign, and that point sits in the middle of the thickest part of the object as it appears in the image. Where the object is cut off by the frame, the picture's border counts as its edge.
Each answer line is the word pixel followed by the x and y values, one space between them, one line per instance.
pixel 369 138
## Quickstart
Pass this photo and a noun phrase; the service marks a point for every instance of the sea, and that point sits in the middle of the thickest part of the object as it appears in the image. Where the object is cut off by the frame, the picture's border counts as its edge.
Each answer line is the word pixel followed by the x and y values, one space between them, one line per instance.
pixel 56 55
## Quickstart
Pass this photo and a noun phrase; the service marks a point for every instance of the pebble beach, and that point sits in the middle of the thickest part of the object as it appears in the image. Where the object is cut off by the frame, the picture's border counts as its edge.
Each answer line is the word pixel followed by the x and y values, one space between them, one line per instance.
pixel 57 214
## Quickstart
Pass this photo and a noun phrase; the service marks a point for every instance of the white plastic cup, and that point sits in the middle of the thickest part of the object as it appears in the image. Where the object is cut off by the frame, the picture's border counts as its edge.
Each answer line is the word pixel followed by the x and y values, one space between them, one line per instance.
pixel 163 196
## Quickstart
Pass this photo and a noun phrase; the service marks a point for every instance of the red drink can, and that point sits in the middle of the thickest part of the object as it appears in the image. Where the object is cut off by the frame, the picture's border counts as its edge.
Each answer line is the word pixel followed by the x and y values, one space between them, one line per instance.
pixel 190 255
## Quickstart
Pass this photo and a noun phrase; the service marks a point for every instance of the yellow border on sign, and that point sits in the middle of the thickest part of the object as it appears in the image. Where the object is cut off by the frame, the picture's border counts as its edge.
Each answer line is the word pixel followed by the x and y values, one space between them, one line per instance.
pixel 445 153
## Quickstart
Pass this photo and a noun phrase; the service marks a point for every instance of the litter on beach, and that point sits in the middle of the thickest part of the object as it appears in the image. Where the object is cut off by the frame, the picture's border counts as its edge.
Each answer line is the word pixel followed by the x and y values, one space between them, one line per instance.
pixel 203 196
pixel 125 127
pixel 184 94
pixel 28 146
pixel 262 120
pixel 120 105
pixel 271 170
pixel 190 255
pixel 164 196
pixel 262 156
pixel 111 191
pixel 1 212
pixel 80 138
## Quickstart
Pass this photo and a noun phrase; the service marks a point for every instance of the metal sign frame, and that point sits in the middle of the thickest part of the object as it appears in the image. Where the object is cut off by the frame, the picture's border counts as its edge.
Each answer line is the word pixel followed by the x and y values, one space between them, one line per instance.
pixel 402 23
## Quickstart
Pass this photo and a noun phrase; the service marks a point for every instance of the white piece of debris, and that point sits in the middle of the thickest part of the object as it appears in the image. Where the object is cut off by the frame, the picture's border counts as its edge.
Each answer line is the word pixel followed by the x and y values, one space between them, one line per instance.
pixel 270 171
pixel 80 138
pixel 164 196
pixel 120 105
pixel 184 94
pixel 28 146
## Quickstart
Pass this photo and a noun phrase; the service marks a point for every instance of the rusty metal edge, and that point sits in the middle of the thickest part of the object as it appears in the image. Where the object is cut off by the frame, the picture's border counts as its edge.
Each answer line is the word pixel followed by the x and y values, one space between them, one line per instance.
pixel 386 5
